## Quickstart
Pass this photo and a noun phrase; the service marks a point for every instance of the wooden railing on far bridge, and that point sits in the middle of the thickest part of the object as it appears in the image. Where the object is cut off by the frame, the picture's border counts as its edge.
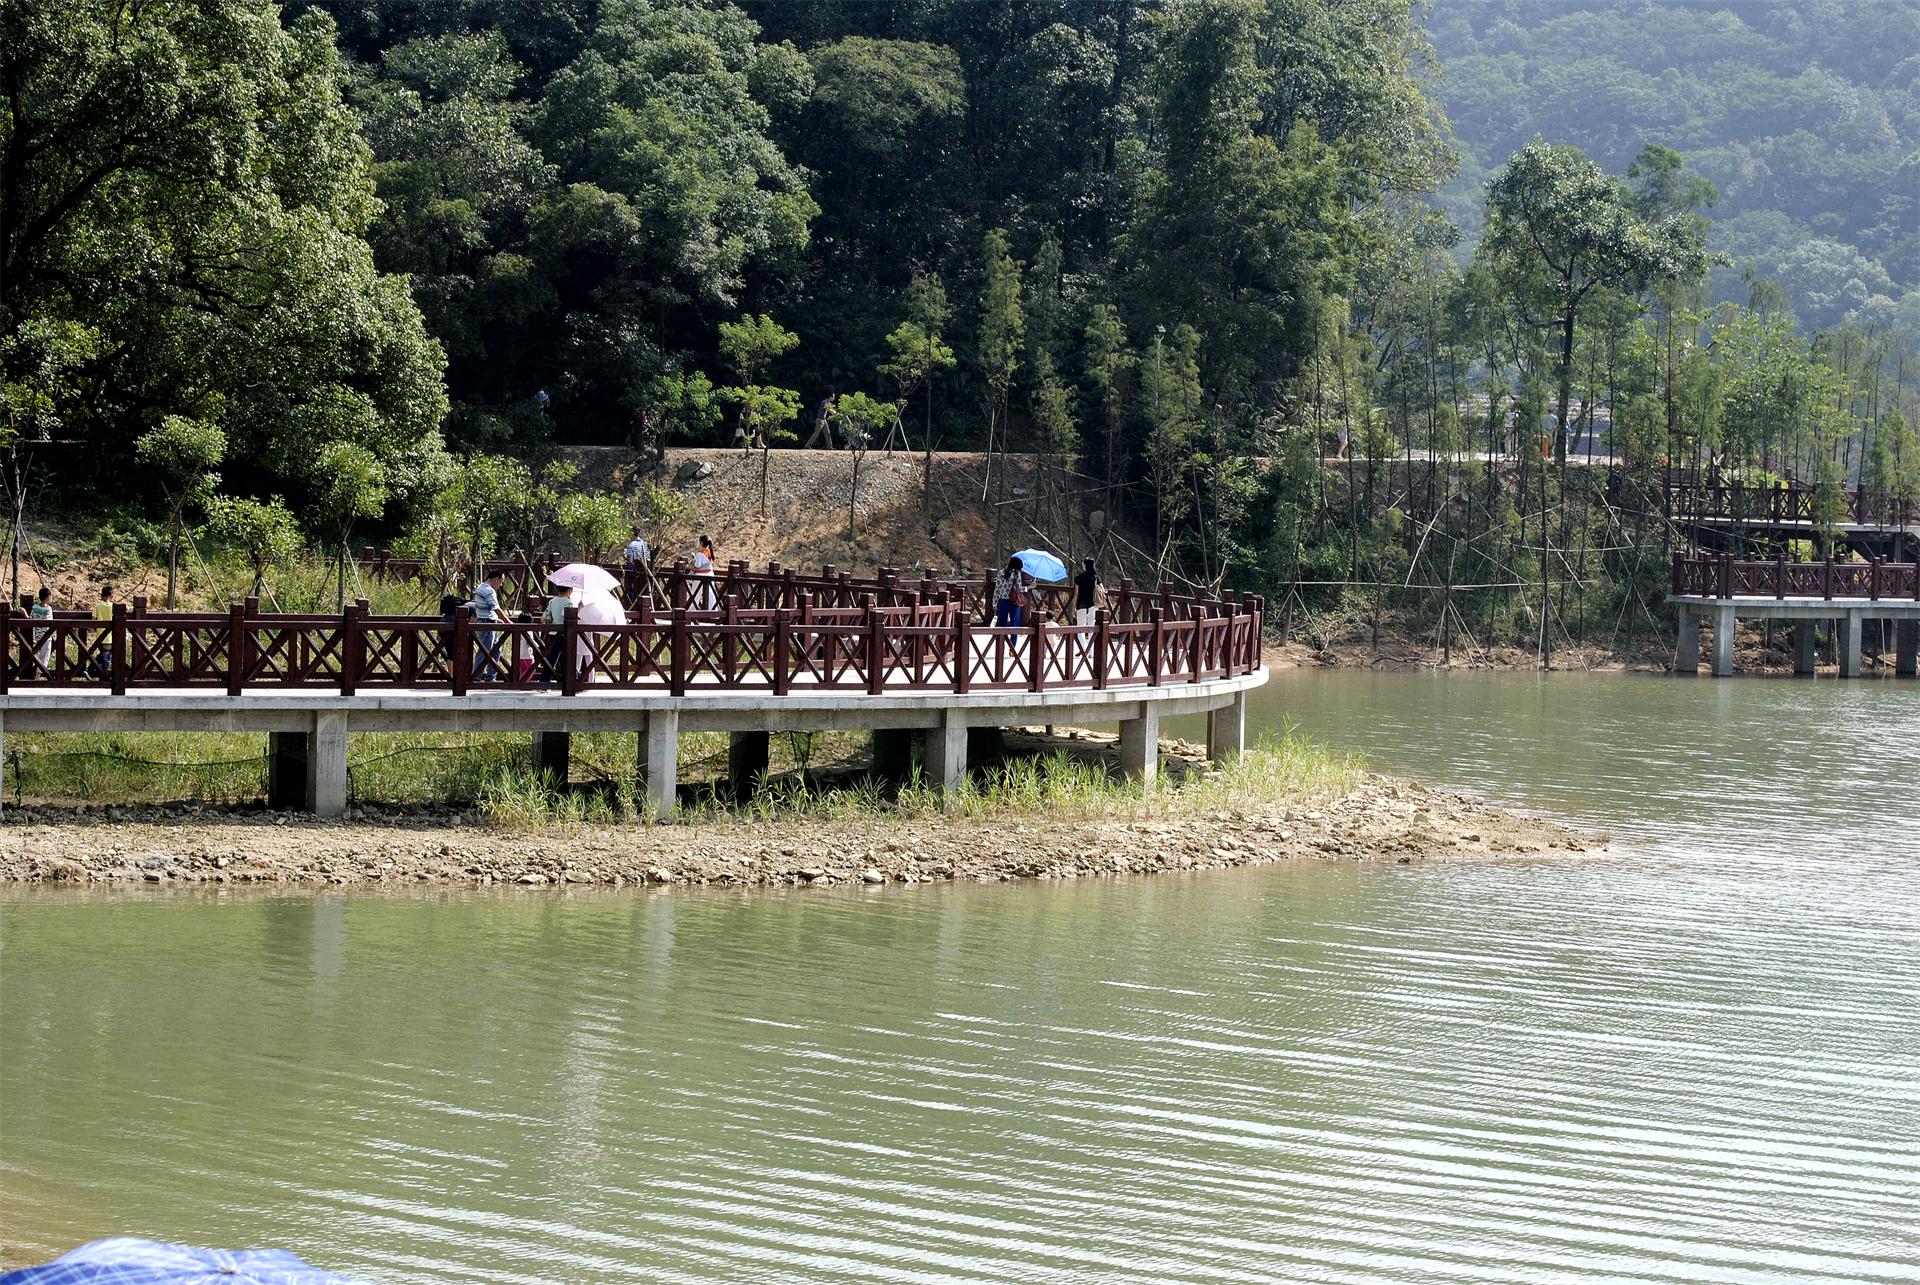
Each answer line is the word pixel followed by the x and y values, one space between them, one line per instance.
pixel 1726 577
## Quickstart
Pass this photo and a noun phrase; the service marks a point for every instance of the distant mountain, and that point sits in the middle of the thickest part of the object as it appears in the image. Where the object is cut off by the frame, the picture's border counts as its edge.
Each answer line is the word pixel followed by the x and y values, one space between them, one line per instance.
pixel 1805 115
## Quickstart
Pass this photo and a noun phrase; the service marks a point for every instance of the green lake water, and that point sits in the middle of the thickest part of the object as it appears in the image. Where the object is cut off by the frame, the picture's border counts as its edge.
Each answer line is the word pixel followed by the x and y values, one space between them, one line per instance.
pixel 1694 1058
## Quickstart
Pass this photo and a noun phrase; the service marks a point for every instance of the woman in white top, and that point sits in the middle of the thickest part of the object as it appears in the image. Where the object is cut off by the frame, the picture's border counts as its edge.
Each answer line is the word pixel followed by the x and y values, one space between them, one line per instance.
pixel 706 597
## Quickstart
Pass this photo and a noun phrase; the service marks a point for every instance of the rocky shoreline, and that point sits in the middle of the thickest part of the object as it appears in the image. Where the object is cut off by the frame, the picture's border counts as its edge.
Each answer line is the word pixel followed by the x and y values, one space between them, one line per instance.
pixel 1381 819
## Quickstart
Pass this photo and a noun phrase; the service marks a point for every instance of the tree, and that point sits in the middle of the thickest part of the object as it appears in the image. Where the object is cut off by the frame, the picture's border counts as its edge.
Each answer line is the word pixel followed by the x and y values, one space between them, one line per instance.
pixel 916 352
pixel 484 490
pixel 866 417
pixel 596 523
pixel 1565 228
pixel 264 529
pixel 183 190
pixel 1107 363
pixel 1170 391
pixel 1002 331
pixel 348 484
pixel 185 452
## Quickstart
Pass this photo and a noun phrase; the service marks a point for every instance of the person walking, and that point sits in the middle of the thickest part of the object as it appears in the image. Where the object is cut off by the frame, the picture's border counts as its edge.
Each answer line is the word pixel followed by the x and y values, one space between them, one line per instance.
pixel 42 609
pixel 486 611
pixel 822 416
pixel 706 596
pixel 1086 594
pixel 555 618
pixel 634 560
pixel 1010 594
pixel 101 664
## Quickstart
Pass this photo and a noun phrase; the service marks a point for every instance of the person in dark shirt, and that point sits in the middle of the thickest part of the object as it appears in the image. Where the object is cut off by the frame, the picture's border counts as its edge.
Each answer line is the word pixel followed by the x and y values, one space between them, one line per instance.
pixel 1086 594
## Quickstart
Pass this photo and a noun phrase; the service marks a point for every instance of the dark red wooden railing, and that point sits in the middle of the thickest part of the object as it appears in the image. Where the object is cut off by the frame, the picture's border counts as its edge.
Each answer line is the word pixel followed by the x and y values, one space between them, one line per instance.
pixel 1726 577
pixel 773 631
pixel 1788 502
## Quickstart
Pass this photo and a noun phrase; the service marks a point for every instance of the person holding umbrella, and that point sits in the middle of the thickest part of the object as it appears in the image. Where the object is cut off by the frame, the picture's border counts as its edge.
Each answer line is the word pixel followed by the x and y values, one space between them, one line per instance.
pixel 596 592
pixel 555 617
pixel 1010 594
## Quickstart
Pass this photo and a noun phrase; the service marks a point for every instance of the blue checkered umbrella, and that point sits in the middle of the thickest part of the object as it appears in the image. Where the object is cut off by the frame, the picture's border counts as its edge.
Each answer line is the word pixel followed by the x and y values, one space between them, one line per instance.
pixel 128 1260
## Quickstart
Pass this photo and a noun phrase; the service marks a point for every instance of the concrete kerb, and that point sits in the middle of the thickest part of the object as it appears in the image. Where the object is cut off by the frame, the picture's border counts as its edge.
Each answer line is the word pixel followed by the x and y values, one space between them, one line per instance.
pixel 310 729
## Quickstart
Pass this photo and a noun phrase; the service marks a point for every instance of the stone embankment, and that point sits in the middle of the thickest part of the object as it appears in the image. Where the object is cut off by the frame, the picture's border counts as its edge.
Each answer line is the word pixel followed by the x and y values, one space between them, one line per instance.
pixel 1380 820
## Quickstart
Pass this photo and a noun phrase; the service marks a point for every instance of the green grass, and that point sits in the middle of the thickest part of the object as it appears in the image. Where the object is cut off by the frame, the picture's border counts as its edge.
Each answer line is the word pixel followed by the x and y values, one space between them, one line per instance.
pixel 821 777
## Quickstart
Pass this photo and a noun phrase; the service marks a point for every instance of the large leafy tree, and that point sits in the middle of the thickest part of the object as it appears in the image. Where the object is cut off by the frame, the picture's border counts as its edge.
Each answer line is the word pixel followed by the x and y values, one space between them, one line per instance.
pixel 183 197
pixel 1564 228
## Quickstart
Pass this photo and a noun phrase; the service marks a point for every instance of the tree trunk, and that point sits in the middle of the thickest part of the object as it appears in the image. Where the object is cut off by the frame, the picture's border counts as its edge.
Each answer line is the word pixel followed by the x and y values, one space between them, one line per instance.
pixel 1565 390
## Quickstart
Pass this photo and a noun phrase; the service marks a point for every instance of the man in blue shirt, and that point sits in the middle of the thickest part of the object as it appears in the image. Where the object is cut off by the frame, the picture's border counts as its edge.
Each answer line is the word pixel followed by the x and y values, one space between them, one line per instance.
pixel 634 560
pixel 486 610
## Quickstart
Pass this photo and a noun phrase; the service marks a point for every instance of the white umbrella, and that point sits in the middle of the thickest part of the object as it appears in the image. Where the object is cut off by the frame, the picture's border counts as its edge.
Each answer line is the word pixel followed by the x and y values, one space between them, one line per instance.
pixel 585 578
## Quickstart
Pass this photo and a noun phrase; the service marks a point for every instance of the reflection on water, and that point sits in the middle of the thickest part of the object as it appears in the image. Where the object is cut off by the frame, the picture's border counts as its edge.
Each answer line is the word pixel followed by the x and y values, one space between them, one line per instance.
pixel 1694 1059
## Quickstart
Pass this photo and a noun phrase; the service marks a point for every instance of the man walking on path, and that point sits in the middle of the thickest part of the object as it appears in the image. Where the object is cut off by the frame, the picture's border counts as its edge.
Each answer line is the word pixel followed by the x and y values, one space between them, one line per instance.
pixel 634 559
pixel 486 611
pixel 822 416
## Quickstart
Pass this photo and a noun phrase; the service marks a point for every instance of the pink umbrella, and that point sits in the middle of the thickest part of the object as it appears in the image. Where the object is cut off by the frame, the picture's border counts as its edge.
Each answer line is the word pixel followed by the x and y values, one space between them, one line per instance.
pixel 596 607
pixel 585 578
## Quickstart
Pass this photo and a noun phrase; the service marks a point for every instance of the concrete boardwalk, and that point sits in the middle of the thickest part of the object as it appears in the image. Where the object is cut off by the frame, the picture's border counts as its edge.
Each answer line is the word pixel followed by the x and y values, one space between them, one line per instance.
pixel 308 729
pixel 1847 617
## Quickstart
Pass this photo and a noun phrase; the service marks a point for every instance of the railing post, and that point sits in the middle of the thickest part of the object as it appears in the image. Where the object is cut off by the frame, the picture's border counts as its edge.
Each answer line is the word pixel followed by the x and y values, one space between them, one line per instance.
pixel 117 642
pixel 1726 576
pixel 236 647
pixel 876 623
pixel 1826 578
pixel 1258 635
pixel 1780 576
pixel 729 640
pixel 1198 646
pixel 677 657
pixel 1677 590
pixel 569 662
pixel 962 651
pixel 460 663
pixel 782 651
pixel 1156 645
pixel 1100 630
pixel 352 641
pixel 1873 579
pixel 6 644
pixel 1037 654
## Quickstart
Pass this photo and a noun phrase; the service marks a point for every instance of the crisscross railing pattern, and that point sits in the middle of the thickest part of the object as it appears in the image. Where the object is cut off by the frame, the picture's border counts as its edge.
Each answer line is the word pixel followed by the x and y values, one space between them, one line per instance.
pixel 772 631
pixel 1725 577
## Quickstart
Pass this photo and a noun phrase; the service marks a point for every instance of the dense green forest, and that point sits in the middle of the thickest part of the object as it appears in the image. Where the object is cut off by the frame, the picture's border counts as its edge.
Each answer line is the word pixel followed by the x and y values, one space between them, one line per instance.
pixel 1804 116
pixel 347 262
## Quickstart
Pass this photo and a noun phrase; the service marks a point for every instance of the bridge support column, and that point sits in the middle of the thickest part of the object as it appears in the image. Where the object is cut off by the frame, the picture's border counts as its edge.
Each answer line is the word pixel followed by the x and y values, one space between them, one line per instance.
pixel 327 765
pixel 1227 730
pixel 947 754
pixel 893 754
pixel 1848 644
pixel 1687 657
pixel 1140 745
pixel 1722 642
pixel 748 754
pixel 1906 648
pixel 1804 636
pixel 553 755
pixel 660 760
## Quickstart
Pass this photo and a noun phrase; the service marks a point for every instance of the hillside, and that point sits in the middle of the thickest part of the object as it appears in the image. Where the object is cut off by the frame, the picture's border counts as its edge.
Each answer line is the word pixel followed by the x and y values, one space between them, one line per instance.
pixel 1805 116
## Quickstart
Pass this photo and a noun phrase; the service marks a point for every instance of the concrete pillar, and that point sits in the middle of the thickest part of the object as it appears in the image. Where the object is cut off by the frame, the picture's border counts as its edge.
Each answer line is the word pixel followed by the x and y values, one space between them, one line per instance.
pixel 1688 659
pixel 1906 648
pixel 553 755
pixel 287 771
pixel 1847 643
pixel 1722 642
pixel 1805 634
pixel 327 765
pixel 660 759
pixel 893 753
pixel 1140 745
pixel 747 759
pixel 947 754
pixel 1227 730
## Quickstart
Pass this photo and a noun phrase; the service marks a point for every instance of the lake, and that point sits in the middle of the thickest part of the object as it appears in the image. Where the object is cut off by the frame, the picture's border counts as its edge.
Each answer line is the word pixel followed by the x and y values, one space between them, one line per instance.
pixel 1696 1057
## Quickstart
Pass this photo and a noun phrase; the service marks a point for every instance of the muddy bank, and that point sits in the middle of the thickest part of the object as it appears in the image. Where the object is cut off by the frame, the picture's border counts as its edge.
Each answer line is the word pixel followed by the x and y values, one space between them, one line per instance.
pixel 1380 820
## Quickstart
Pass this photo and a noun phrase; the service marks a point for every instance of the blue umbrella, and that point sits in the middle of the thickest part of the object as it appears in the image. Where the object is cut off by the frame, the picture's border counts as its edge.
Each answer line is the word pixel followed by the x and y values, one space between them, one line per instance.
pixel 1042 565
pixel 128 1260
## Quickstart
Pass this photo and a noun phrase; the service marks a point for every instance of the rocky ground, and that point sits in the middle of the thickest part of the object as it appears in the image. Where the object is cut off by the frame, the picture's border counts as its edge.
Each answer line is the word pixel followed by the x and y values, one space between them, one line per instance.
pixel 1380 820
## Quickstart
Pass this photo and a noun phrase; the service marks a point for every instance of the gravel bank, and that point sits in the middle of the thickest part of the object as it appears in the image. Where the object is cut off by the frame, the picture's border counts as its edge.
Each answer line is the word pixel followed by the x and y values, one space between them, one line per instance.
pixel 1380 820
